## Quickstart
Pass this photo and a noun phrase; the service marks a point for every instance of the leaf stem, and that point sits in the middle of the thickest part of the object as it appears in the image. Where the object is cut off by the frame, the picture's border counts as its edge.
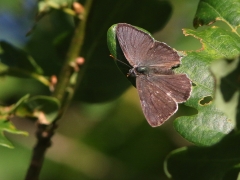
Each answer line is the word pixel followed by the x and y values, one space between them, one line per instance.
pixel 38 77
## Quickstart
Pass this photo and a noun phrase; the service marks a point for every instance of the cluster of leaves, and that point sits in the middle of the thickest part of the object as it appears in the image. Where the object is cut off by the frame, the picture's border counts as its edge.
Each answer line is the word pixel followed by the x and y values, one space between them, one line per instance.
pixel 216 124
pixel 15 62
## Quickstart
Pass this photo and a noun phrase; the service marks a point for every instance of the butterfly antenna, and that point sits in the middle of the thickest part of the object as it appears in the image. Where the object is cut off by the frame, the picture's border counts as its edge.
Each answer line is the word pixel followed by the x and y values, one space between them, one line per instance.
pixel 120 61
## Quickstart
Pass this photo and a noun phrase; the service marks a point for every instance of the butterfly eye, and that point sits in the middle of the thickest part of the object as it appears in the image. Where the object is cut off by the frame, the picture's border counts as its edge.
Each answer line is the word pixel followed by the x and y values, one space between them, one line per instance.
pixel 142 69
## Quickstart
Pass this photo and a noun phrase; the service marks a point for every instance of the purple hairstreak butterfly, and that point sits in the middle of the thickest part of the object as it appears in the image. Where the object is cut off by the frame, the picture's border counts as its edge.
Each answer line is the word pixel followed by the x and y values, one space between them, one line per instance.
pixel 159 88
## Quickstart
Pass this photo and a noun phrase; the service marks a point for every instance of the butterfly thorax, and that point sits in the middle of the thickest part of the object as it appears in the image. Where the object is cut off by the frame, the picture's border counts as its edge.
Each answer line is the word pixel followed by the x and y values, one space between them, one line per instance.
pixel 149 70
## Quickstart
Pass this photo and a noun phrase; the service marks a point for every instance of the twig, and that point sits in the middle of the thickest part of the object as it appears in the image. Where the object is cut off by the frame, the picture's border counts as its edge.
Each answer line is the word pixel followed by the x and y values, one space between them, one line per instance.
pixel 64 91
pixel 44 134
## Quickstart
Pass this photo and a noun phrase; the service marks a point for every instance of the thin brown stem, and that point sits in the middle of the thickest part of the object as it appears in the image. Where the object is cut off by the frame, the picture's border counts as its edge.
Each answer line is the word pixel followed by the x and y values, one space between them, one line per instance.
pixel 44 134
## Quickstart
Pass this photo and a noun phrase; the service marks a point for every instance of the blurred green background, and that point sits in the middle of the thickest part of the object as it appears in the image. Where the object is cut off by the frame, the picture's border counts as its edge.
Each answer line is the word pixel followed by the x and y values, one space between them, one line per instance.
pixel 110 140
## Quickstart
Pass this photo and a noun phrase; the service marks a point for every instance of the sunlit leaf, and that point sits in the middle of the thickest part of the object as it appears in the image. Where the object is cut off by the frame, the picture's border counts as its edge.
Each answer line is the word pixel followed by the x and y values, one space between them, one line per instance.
pixel 211 124
pixel 223 10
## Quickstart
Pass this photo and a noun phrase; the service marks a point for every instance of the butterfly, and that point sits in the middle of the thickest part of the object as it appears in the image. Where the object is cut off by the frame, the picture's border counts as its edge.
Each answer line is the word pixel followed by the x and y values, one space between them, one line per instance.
pixel 159 88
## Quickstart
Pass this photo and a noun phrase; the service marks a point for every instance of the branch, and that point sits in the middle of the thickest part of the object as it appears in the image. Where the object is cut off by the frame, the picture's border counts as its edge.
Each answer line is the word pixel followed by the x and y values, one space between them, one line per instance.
pixel 64 91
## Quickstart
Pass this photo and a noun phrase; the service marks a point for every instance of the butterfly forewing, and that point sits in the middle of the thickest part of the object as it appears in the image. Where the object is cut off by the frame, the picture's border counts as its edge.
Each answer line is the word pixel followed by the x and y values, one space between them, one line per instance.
pixel 134 43
pixel 157 106
pixel 140 48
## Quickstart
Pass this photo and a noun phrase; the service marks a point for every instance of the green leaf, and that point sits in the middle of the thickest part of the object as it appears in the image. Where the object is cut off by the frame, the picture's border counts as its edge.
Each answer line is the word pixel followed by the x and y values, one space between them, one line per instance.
pixel 217 42
pixel 44 108
pixel 7 111
pixel 223 10
pixel 216 161
pixel 16 59
pixel 116 51
pixel 211 124
pixel 7 126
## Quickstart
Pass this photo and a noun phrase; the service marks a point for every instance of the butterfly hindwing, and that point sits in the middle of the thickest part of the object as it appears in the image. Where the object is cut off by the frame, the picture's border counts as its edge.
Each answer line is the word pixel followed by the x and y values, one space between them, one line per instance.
pixel 177 86
pixel 157 106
